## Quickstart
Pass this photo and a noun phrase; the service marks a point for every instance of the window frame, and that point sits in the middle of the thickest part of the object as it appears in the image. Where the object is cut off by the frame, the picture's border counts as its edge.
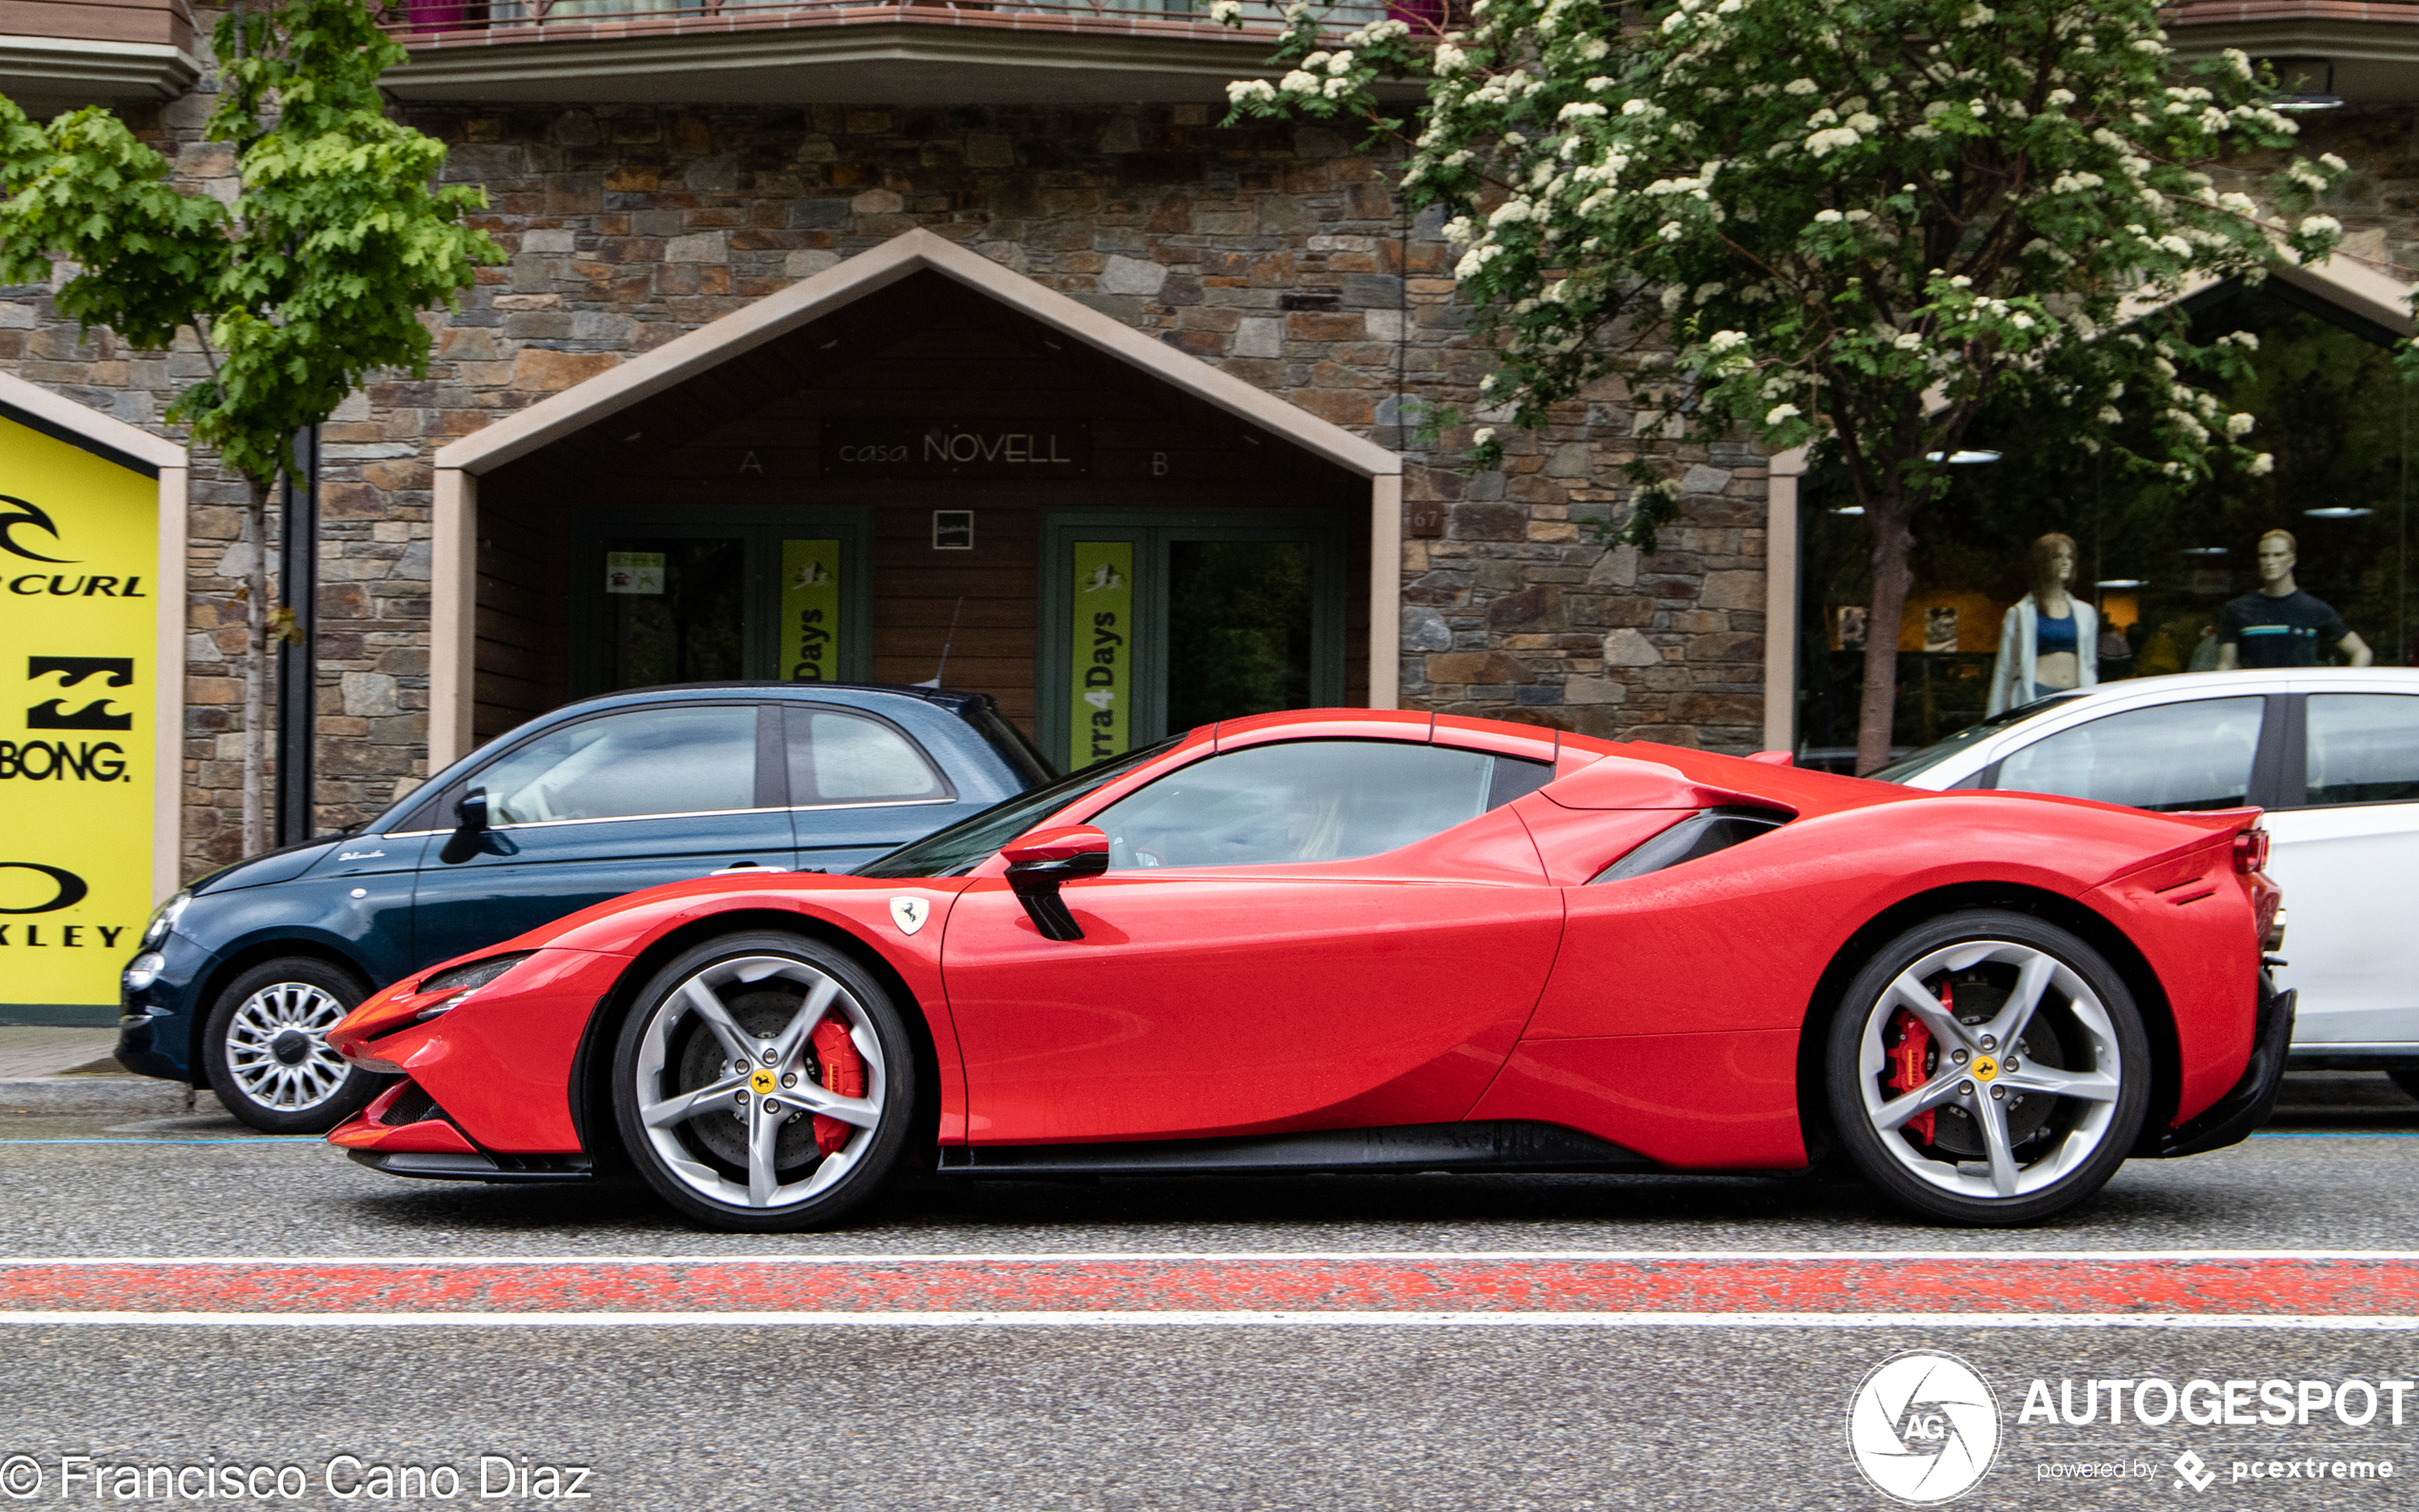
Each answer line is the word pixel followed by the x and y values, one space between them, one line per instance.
pixel 773 774
pixel 2294 783
pixel 2269 759
pixel 803 712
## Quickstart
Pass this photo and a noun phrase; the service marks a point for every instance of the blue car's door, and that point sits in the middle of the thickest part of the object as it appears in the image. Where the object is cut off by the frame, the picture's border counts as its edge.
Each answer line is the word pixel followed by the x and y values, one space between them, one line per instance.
pixel 596 808
pixel 860 786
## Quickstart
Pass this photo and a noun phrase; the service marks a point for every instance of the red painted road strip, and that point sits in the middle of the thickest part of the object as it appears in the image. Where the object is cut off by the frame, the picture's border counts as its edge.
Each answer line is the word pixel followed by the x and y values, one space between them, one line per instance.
pixel 1917 1286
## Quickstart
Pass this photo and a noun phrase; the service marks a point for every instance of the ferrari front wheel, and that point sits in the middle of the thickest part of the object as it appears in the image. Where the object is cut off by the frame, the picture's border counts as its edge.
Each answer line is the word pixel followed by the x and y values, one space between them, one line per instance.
pixel 764 1082
pixel 1988 1067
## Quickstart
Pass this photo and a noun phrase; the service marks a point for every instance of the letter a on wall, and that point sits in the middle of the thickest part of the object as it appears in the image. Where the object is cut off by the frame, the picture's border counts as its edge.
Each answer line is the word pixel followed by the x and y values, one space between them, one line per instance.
pixel 1100 652
pixel 84 689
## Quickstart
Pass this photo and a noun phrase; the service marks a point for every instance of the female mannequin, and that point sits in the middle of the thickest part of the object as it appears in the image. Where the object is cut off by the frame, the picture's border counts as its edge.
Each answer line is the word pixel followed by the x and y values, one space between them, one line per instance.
pixel 2049 642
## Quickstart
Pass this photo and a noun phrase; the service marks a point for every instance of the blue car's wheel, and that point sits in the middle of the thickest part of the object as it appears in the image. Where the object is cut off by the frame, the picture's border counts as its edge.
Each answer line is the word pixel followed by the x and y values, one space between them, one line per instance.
pixel 265 1047
pixel 764 1082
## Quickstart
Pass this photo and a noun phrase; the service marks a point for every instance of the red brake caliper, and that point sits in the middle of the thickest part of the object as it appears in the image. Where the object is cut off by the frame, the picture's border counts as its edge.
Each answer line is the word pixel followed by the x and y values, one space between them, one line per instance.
pixel 1906 1069
pixel 843 1074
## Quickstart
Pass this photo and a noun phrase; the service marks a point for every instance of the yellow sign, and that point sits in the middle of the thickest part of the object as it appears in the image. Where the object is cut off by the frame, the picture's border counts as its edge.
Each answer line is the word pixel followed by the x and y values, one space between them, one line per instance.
pixel 811 611
pixel 79 599
pixel 1100 653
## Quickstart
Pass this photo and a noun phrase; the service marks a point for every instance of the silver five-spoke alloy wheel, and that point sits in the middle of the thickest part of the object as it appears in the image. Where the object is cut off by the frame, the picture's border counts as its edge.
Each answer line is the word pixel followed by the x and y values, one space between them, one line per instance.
pixel 763 1083
pixel 277 1046
pixel 1989 1067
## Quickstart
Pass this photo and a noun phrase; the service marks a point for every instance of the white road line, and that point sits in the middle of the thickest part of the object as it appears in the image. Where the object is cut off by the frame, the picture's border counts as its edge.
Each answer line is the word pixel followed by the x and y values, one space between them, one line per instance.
pixel 1962 1321
pixel 1262 1256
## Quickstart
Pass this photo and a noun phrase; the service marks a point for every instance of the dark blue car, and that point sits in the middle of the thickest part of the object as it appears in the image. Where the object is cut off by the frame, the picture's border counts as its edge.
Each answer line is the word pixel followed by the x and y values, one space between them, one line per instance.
pixel 241 974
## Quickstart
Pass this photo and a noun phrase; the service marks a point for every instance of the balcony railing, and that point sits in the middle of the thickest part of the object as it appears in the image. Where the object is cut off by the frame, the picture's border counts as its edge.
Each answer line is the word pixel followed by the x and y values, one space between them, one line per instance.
pixel 439 23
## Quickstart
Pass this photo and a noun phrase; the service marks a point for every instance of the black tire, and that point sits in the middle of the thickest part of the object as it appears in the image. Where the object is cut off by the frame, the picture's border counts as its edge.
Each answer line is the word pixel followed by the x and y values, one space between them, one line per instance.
pixel 265 1050
pixel 724 1162
pixel 2084 1033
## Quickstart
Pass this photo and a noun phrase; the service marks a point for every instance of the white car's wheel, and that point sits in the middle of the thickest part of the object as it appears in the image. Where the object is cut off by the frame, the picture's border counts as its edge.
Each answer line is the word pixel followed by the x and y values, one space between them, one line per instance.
pixel 1988 1067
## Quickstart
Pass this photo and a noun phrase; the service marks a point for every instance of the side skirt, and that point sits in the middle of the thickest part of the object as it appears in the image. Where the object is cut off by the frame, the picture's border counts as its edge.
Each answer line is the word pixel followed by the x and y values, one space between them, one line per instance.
pixel 1503 1146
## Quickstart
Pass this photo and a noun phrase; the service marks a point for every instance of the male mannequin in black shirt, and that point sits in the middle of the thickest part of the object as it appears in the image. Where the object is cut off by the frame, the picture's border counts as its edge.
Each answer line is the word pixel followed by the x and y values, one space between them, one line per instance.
pixel 2280 626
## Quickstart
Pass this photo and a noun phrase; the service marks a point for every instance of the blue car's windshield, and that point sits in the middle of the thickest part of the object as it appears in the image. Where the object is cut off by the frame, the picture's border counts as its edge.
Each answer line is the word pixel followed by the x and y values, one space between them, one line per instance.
pixel 968 843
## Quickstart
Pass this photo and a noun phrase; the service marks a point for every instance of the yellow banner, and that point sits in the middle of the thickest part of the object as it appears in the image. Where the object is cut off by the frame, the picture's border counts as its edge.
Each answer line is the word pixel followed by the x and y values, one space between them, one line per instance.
pixel 79 541
pixel 1100 649
pixel 811 611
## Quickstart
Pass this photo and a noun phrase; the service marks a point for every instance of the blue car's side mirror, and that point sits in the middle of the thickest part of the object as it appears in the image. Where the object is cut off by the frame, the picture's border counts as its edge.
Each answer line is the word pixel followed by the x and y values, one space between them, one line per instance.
pixel 471 830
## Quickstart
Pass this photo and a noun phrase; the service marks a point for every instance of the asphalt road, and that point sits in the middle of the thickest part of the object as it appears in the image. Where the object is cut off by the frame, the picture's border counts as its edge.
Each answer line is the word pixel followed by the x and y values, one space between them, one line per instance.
pixel 1302 1415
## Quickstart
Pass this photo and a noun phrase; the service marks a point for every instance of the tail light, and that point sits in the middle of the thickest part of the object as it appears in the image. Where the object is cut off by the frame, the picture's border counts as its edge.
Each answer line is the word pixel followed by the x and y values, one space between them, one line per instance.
pixel 2251 850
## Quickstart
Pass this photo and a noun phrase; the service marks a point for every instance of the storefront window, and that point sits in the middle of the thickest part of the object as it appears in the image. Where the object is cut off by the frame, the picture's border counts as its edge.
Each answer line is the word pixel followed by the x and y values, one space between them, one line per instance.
pixel 2154 564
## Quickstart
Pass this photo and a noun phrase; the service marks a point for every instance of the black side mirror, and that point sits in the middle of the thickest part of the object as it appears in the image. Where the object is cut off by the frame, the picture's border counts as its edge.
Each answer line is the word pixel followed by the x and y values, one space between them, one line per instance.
pixel 1039 863
pixel 469 835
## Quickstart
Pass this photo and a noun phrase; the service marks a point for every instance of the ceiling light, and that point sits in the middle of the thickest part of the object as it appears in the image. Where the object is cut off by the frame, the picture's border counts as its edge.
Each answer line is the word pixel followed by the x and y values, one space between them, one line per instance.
pixel 2339 511
pixel 1963 459
pixel 2205 550
pixel 1849 508
pixel 2124 582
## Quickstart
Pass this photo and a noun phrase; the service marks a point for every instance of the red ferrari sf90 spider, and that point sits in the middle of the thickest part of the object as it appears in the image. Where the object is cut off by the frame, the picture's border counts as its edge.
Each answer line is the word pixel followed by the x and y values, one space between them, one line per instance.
pixel 1357 941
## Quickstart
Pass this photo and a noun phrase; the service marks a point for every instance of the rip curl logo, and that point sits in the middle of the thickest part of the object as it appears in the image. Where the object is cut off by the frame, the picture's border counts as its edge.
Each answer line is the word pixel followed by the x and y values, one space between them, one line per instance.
pixel 1923 1427
pixel 26 514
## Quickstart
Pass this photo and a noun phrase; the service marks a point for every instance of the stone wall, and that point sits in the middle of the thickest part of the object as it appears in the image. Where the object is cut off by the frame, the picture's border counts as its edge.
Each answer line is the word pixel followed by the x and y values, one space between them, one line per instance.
pixel 1276 254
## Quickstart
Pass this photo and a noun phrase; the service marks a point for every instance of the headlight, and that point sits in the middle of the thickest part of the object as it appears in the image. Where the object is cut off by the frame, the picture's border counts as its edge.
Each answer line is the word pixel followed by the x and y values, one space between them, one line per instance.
pixel 142 971
pixel 163 918
pixel 463 981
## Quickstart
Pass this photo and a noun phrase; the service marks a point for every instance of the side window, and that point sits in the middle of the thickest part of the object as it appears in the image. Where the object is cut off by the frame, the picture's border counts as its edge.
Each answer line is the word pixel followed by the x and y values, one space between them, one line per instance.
pixel 838 758
pixel 644 761
pixel 2195 755
pixel 2364 748
pixel 1330 800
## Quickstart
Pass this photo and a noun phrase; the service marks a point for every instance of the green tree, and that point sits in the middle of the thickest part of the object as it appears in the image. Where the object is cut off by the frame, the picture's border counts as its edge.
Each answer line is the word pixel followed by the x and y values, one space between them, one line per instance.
pixel 312 277
pixel 1847 224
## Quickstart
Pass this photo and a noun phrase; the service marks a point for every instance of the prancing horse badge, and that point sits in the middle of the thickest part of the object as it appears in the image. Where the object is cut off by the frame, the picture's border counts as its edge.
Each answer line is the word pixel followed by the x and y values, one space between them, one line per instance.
pixel 909 913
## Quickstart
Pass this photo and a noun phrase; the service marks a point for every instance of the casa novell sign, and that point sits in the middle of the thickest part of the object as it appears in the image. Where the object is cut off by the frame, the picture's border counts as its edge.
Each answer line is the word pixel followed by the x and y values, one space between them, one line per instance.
pixel 943 448
pixel 78 638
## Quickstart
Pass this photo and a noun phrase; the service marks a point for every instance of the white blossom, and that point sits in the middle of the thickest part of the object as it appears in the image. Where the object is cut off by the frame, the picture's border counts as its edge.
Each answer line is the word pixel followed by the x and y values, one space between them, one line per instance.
pixel 2320 226
pixel 1723 340
pixel 2239 425
pixel 2263 465
pixel 1225 12
pixel 1827 217
pixel 1780 413
pixel 1482 435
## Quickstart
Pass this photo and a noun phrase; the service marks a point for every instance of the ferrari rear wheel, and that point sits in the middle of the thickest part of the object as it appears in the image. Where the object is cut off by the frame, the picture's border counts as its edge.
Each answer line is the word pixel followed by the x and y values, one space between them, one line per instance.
pixel 1988 1067
pixel 763 1082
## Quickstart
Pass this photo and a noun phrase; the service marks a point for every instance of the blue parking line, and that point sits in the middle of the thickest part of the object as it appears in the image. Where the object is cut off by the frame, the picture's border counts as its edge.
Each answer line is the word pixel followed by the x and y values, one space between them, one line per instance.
pixel 261 1139
pixel 2338 1134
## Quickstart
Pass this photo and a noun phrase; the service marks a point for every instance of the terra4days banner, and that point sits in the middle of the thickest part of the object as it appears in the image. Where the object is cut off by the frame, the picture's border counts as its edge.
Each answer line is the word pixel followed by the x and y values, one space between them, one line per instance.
pixel 78 599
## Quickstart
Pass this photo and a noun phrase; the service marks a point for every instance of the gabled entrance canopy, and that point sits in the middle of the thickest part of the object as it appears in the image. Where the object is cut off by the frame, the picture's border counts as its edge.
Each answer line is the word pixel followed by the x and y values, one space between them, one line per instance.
pixel 918 253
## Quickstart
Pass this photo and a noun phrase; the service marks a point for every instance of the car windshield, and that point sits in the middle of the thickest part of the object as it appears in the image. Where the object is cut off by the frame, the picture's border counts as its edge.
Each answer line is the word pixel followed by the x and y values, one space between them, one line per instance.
pixel 1933 755
pixel 969 843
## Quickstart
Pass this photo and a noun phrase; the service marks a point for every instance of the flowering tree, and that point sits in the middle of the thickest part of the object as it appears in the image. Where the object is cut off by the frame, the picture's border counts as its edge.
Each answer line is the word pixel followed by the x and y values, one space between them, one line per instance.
pixel 1844 224
pixel 314 277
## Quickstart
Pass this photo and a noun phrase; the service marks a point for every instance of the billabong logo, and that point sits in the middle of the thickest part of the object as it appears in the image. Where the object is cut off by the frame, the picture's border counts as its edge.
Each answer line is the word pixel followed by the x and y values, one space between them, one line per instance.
pixel 27 513
pixel 1923 1427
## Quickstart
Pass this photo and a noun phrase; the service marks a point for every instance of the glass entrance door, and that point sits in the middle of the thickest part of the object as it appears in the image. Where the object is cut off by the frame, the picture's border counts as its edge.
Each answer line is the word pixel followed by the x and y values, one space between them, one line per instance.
pixel 1154 622
pixel 787 600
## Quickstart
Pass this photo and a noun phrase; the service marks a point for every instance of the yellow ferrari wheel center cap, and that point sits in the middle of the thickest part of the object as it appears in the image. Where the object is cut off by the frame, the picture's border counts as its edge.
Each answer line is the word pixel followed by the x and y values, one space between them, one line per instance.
pixel 1985 1069
pixel 762 1082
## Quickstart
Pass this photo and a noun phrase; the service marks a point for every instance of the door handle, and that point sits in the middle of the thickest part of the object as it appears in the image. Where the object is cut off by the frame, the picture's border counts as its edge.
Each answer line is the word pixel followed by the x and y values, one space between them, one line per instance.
pixel 739 866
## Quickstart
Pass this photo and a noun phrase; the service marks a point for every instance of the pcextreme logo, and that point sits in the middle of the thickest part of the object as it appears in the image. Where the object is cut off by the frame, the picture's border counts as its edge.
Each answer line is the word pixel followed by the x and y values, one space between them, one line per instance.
pixel 1923 1427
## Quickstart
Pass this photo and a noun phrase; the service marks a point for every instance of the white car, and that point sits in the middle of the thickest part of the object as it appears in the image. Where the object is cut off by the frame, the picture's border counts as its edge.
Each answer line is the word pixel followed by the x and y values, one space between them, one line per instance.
pixel 2331 753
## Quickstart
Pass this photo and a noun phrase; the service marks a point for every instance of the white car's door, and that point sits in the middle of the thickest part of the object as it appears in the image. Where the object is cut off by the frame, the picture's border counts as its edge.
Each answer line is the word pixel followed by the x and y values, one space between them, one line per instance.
pixel 2348 858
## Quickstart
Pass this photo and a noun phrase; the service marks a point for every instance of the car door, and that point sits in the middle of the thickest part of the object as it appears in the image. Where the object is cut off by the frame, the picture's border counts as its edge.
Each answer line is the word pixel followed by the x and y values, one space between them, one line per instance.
pixel 1278 943
pixel 598 807
pixel 2344 848
pixel 861 786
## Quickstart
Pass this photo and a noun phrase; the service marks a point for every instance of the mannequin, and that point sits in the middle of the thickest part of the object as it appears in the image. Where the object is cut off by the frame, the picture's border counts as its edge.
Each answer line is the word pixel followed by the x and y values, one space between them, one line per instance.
pixel 2049 641
pixel 2281 625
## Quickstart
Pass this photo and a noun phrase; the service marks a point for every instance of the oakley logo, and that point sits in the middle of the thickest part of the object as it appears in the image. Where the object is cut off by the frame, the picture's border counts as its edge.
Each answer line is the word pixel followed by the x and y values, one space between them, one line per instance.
pixel 70 888
pixel 26 514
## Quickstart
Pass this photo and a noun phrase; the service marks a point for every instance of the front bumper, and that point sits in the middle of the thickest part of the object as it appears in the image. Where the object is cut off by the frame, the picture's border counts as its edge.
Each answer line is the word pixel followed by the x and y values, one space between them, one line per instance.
pixel 158 1023
pixel 2232 1118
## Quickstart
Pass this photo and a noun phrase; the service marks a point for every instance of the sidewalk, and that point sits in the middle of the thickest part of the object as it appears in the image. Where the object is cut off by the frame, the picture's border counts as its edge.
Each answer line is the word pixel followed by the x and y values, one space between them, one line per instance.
pixel 57 1071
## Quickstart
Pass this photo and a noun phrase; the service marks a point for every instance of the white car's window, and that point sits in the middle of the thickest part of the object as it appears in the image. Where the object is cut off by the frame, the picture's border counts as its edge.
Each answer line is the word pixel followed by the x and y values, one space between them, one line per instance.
pixel 850 759
pixel 647 760
pixel 2364 748
pixel 1330 800
pixel 2193 755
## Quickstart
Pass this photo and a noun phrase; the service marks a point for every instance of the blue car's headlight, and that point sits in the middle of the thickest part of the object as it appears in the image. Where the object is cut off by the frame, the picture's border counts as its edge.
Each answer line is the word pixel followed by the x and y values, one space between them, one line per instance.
pixel 163 918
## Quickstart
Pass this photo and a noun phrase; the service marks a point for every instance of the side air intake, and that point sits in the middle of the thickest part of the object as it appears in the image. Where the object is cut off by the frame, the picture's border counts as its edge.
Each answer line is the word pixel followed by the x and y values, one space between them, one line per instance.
pixel 1700 834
